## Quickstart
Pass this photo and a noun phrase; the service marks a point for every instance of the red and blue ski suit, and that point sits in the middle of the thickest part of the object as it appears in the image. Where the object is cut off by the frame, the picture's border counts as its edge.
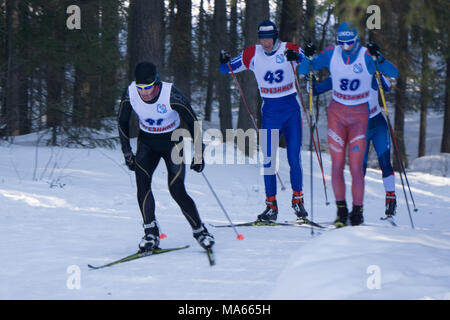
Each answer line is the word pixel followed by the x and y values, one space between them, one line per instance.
pixel 281 109
pixel 347 122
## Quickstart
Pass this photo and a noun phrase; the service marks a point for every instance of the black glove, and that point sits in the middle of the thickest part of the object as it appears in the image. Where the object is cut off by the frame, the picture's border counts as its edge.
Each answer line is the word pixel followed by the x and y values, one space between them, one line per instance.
pixel 291 55
pixel 308 79
pixel 198 167
pixel 374 49
pixel 309 50
pixel 130 161
pixel 224 57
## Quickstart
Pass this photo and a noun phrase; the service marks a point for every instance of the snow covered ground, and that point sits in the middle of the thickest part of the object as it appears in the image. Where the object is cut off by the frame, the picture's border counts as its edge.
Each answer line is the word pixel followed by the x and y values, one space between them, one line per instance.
pixel 81 208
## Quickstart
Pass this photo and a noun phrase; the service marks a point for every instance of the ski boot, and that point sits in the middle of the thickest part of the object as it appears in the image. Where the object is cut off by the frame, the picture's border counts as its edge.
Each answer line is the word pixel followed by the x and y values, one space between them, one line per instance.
pixel 356 216
pixel 391 204
pixel 342 214
pixel 271 212
pixel 297 205
pixel 203 237
pixel 150 241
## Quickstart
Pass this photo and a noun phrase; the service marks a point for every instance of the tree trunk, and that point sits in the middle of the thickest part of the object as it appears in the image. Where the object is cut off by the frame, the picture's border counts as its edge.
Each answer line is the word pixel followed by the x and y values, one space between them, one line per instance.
pixel 211 77
pixel 223 82
pixel 201 47
pixel 110 28
pixel 401 101
pixel 310 25
pixel 248 82
pixel 424 94
pixel 144 33
pixel 54 74
pixel 234 36
pixel 181 46
pixel 291 20
pixel 86 68
pixel 3 57
pixel 290 29
pixel 12 103
pixel 445 145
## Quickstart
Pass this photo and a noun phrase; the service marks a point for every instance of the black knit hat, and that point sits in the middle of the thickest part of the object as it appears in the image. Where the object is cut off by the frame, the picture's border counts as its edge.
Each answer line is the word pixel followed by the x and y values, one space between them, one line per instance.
pixel 145 73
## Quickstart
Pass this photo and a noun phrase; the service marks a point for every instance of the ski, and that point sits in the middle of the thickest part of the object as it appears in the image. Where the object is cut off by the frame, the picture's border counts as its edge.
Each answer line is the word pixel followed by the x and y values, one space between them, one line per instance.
pixel 257 223
pixel 390 220
pixel 211 257
pixel 305 223
pixel 138 255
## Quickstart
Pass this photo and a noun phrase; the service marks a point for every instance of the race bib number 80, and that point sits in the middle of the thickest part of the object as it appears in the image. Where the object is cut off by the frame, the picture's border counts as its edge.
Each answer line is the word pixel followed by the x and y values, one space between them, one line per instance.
pixel 347 84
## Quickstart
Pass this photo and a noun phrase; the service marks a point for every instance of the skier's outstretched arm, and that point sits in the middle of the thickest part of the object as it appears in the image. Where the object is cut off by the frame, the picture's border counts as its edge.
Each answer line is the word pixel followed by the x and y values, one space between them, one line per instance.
pixel 242 62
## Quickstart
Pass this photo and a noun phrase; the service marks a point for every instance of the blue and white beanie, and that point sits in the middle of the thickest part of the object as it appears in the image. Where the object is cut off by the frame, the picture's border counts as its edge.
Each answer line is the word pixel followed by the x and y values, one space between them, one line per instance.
pixel 347 32
pixel 267 29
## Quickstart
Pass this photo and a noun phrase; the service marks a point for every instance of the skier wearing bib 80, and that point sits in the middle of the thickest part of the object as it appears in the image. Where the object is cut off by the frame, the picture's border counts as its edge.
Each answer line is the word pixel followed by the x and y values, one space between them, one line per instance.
pixel 160 108
pixel 352 68
pixel 378 133
pixel 270 62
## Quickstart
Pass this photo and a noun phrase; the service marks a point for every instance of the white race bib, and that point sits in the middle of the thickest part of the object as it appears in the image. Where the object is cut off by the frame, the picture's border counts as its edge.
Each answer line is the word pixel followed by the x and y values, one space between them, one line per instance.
pixel 156 117
pixel 351 82
pixel 274 73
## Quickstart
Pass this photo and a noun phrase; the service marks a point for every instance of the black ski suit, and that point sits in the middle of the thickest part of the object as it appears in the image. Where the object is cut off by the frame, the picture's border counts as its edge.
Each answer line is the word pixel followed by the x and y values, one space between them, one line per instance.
pixel 150 149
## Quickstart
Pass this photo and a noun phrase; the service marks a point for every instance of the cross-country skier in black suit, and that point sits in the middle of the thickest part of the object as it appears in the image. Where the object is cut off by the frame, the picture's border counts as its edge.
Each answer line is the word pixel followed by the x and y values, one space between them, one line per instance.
pixel 160 108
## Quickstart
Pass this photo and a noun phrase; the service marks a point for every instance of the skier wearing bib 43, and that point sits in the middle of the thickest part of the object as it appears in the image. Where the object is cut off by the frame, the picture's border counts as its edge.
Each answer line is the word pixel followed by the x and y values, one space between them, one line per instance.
pixel 352 68
pixel 160 108
pixel 377 132
pixel 270 62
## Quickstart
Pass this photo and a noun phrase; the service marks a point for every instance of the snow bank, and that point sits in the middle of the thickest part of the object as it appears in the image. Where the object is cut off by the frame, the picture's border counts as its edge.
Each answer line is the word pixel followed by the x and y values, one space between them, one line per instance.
pixel 438 164
pixel 369 262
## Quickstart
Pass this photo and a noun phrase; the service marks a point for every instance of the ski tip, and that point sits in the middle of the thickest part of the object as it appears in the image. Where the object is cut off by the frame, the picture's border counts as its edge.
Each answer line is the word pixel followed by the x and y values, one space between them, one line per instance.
pixel 92 267
pixel 211 258
pixel 163 236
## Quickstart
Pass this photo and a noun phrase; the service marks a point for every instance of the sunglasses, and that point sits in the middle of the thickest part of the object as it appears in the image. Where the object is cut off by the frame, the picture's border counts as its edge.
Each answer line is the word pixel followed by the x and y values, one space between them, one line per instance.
pixel 145 86
pixel 348 42
pixel 341 43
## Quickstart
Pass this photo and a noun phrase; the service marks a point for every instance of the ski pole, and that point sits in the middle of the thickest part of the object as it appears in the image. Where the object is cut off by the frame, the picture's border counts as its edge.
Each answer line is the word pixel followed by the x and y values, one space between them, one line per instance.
pixel 239 236
pixel 397 153
pixel 251 115
pixel 318 153
pixel 311 133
